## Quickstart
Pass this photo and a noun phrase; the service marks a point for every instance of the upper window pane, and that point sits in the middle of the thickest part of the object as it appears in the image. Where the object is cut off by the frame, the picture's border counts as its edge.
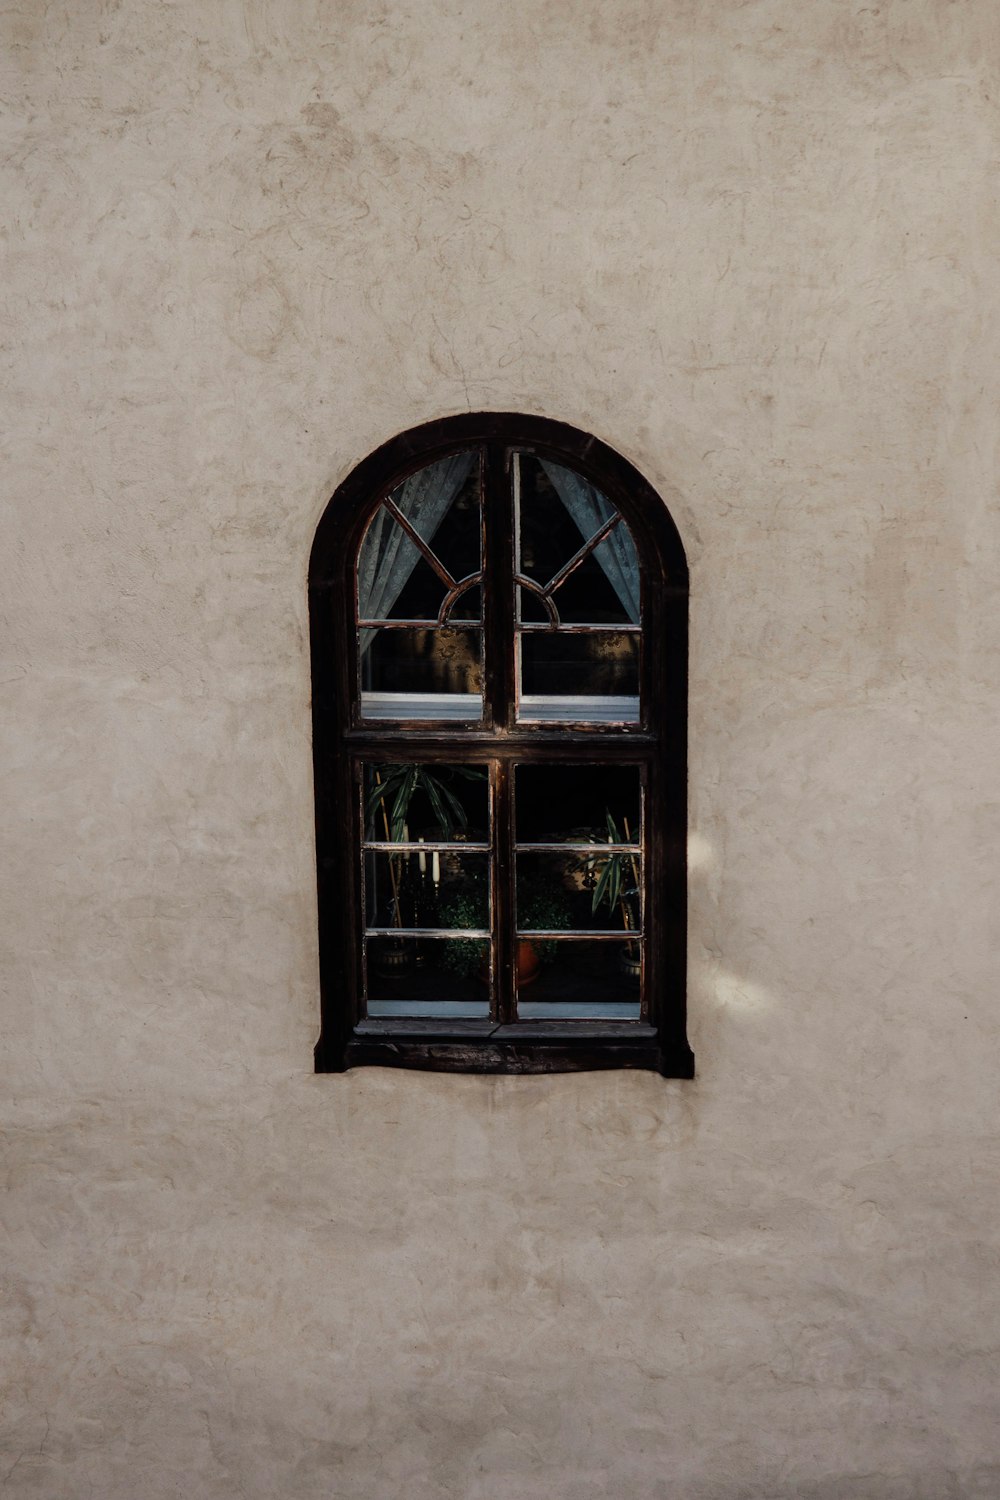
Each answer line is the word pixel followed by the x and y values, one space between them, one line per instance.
pixel 422 543
pixel 420 563
pixel 421 672
pixel 589 675
pixel 577 600
pixel 574 547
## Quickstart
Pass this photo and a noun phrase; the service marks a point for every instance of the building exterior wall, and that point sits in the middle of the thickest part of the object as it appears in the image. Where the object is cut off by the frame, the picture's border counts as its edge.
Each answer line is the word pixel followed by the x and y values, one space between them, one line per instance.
pixel 753 247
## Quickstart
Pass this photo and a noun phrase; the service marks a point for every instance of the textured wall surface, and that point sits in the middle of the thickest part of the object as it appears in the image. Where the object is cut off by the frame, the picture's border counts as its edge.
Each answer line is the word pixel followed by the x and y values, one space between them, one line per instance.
pixel 752 245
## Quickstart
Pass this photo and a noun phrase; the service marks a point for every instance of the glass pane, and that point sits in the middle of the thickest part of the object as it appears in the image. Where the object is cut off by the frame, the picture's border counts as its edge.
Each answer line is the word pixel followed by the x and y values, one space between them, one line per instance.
pixel 457 540
pixel 572 803
pixel 582 891
pixel 421 673
pixel 590 677
pixel 421 593
pixel 405 801
pixel 580 979
pixel 558 512
pixel 401 578
pixel 429 977
pixel 427 889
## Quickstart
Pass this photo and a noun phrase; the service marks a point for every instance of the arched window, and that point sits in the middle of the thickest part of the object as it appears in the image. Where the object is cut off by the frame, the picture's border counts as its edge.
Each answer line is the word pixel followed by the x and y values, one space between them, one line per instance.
pixel 498 610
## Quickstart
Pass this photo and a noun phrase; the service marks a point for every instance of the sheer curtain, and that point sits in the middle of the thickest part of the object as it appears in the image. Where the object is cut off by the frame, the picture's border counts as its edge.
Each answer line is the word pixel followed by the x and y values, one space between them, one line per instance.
pixel 387 556
pixel 616 554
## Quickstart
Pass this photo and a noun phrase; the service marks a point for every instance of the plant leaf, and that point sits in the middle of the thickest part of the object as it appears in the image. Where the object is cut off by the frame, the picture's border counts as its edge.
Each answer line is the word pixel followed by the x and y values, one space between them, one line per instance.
pixel 389 777
pixel 432 787
pixel 614 882
pixel 601 887
pixel 401 805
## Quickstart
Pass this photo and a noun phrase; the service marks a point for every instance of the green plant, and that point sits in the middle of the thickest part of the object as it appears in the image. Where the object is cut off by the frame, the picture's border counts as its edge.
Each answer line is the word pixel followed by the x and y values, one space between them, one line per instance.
pixel 393 791
pixel 399 784
pixel 617 881
pixel 539 905
pixel 465 905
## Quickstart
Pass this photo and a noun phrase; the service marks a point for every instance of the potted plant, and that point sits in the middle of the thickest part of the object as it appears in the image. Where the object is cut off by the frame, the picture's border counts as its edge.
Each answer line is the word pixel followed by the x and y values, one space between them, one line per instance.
pixel 399 784
pixel 616 884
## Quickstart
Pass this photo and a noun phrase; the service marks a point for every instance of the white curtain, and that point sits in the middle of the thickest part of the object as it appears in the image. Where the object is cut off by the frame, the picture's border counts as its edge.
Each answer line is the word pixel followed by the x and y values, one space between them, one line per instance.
pixel 616 554
pixel 388 556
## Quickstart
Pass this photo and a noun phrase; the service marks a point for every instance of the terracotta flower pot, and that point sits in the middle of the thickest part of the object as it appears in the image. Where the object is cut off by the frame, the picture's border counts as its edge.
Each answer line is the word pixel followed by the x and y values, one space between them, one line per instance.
pixel 528 962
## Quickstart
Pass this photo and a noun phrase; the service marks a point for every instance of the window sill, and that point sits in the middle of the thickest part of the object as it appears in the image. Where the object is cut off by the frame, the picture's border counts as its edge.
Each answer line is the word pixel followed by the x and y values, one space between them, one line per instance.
pixel 521 1047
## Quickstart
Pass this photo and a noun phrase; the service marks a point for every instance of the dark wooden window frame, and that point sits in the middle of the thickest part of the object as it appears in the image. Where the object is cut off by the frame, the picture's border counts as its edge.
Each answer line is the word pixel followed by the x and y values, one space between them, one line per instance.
pixel 658 743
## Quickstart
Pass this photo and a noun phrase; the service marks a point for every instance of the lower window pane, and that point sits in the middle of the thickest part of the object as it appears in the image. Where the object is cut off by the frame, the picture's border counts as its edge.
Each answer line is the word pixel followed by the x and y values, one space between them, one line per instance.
pixel 406 801
pixel 450 890
pixel 447 978
pixel 586 891
pixel 554 803
pixel 579 979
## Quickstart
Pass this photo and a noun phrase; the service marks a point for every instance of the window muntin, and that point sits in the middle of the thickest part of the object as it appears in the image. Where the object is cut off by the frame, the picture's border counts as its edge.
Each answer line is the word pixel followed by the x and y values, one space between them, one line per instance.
pixel 577 608
pixel 419 597
pixel 579 889
pixel 573 547
pixel 425 882
pixel 597 996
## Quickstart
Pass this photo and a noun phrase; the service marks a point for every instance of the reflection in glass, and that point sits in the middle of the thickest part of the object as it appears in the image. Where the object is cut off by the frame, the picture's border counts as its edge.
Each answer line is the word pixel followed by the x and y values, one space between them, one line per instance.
pixel 583 677
pixel 447 978
pixel 584 979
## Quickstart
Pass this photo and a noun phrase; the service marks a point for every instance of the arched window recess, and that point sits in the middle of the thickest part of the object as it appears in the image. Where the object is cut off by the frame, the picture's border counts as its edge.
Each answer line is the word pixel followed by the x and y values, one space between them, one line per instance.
pixel 498 610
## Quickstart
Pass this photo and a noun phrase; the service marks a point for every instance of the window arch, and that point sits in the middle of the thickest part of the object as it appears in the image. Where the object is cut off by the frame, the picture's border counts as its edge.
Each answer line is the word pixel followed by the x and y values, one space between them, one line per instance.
pixel 498 611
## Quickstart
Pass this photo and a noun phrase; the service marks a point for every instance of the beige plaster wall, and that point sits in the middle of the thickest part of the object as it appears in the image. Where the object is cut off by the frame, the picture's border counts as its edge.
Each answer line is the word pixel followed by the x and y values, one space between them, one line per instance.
pixel 752 246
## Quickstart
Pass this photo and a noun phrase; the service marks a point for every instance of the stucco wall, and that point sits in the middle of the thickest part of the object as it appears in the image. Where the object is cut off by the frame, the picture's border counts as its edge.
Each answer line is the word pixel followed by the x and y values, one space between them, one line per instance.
pixel 753 247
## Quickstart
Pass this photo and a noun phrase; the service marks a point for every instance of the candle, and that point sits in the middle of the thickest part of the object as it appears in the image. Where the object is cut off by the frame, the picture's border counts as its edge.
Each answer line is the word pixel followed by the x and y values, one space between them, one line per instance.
pixel 406 840
pixel 422 861
pixel 436 868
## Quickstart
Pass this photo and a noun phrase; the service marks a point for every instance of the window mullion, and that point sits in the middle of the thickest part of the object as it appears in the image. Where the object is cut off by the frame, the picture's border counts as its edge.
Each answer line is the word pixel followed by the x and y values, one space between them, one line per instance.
pixel 502 887
pixel 499 693
pixel 498 586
